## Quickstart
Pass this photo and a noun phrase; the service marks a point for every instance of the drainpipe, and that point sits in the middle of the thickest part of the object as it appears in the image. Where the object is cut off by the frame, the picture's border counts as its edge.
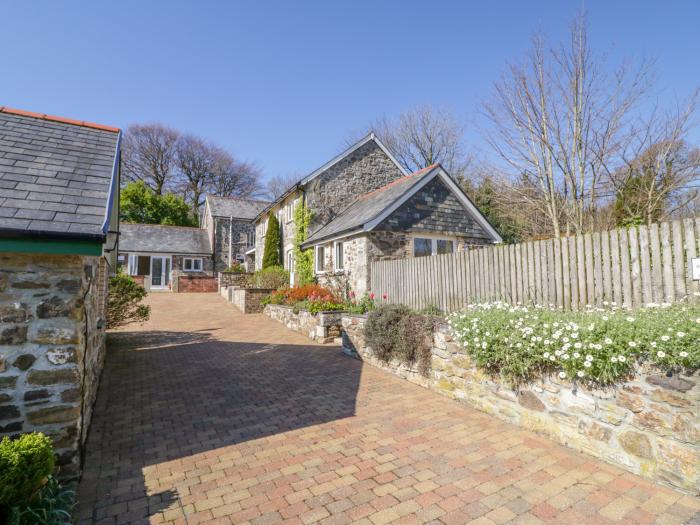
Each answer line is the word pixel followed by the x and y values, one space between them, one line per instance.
pixel 230 241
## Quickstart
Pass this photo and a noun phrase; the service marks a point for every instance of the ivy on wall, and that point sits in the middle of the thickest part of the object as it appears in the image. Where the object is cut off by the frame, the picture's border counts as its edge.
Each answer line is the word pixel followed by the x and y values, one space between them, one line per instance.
pixel 304 259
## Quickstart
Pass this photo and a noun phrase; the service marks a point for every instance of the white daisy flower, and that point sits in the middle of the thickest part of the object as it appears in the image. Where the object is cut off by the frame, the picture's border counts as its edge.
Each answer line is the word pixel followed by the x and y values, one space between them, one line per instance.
pixel 665 338
pixel 630 319
pixel 580 373
pixel 589 357
pixel 621 358
pixel 587 364
pixel 683 354
pixel 653 344
pixel 661 354
pixel 680 334
pixel 632 344
pixel 613 359
pixel 608 341
pixel 562 375
pixel 577 355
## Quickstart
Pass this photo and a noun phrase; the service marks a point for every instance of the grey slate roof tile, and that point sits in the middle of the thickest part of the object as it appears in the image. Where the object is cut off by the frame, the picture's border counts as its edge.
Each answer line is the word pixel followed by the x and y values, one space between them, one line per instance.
pixel 236 207
pixel 369 206
pixel 54 175
pixel 157 238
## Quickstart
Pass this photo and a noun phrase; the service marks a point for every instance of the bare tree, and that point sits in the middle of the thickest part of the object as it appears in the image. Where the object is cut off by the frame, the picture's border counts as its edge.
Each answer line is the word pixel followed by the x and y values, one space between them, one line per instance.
pixel 659 171
pixel 231 178
pixel 423 136
pixel 148 154
pixel 558 122
pixel 196 162
pixel 277 185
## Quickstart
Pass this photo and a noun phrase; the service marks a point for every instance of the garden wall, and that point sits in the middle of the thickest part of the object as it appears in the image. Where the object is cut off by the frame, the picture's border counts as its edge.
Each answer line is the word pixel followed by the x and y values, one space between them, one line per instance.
pixel 323 327
pixel 52 347
pixel 650 425
pixel 233 279
pixel 194 283
pixel 247 300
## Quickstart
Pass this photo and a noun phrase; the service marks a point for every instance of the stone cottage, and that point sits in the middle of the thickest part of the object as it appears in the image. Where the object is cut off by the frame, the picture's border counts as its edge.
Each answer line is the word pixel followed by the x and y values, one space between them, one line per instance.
pixel 59 190
pixel 229 223
pixel 366 207
pixel 167 258
pixel 183 259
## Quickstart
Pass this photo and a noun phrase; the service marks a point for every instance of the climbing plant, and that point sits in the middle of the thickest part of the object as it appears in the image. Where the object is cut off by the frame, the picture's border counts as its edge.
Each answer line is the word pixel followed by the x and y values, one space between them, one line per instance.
pixel 304 259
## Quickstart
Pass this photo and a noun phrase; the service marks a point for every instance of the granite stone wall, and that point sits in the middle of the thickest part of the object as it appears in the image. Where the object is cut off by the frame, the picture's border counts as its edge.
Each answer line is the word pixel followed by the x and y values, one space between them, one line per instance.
pixel 238 230
pixel 323 327
pixel 248 300
pixel 365 170
pixel 52 347
pixel 649 425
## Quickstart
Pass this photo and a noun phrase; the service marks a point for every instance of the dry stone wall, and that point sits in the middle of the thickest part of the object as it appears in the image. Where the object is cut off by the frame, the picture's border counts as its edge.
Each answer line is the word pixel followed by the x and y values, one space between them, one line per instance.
pixel 649 425
pixel 323 327
pixel 52 347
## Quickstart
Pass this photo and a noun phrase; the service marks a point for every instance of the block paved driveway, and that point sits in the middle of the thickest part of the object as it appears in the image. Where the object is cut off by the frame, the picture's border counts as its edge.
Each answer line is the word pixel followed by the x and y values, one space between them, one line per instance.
pixel 207 416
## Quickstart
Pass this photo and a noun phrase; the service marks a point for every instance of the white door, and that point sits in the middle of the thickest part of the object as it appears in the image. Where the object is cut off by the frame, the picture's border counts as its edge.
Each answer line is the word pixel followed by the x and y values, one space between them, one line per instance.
pixel 160 272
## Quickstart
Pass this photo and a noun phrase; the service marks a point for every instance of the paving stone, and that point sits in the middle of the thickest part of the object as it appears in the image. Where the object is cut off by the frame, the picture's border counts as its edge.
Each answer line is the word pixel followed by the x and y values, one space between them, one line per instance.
pixel 228 418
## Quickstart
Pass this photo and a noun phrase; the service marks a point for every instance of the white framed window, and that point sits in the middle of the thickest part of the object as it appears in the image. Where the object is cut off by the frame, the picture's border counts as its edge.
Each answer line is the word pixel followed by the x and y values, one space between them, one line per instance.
pixel 320 259
pixel 290 260
pixel 192 264
pixel 290 210
pixel 423 246
pixel 338 261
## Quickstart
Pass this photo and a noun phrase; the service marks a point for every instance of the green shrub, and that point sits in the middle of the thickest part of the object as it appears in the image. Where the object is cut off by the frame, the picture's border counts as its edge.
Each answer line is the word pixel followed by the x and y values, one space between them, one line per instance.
pixel 395 332
pixel 315 306
pixel 273 243
pixel 365 304
pixel 273 277
pixel 597 346
pixel 53 506
pixel 124 301
pixel 25 464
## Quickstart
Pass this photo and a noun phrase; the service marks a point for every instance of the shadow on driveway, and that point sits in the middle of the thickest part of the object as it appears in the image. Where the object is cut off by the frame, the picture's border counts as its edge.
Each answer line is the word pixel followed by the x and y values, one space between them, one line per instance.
pixel 168 395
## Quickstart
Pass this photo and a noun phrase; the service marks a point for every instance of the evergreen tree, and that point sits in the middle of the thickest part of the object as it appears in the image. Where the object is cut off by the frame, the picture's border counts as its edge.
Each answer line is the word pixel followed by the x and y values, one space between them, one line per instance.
pixel 273 243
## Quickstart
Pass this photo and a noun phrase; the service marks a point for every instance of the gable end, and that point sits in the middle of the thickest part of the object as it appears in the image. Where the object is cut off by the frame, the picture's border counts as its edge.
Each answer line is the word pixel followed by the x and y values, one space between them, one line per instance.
pixel 435 208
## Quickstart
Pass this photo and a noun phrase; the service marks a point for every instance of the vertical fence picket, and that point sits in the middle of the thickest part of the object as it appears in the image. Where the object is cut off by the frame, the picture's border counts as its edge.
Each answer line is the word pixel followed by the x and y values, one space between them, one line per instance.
pixel 645 264
pixel 657 285
pixel 589 266
pixel 627 298
pixel 691 253
pixel 678 259
pixel 667 262
pixel 605 262
pixel 599 289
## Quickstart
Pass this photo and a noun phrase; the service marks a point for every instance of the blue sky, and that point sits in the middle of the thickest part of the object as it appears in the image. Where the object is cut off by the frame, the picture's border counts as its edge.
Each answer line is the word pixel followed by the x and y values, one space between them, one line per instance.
pixel 285 83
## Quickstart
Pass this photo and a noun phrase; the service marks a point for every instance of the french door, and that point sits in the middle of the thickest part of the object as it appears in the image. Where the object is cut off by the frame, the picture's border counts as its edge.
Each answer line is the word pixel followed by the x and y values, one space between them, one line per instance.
pixel 160 272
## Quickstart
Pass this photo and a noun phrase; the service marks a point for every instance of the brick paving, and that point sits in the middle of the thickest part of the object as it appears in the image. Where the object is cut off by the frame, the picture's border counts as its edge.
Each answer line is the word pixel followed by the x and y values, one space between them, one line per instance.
pixel 207 416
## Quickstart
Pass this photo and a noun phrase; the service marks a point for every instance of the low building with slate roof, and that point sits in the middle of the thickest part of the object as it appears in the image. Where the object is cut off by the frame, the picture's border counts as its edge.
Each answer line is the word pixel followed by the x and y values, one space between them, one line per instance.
pixel 365 207
pixel 59 190
pixel 168 258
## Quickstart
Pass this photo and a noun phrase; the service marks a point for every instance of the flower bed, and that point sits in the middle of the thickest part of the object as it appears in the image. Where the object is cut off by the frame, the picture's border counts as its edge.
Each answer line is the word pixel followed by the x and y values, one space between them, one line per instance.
pixel 595 347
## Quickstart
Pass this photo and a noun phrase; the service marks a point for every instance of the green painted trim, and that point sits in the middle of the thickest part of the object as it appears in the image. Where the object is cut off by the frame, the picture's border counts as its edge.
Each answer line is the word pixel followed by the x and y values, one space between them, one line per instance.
pixel 52 246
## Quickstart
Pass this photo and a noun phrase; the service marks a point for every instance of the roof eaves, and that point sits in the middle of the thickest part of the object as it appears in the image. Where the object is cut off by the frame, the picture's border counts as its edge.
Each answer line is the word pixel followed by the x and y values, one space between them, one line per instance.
pixel 113 185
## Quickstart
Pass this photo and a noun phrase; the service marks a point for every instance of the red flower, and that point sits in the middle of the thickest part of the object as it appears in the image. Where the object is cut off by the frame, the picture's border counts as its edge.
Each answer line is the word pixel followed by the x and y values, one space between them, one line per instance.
pixel 384 296
pixel 371 296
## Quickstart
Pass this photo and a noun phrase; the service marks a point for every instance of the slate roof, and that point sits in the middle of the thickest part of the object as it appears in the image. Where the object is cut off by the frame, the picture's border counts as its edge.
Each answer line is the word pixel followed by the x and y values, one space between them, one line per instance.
pixel 236 207
pixel 55 175
pixel 369 206
pixel 158 238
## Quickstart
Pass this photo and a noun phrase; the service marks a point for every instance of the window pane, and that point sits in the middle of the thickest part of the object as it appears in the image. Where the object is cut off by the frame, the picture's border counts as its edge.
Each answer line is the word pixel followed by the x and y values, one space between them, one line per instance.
pixel 422 247
pixel 444 246
pixel 339 255
pixel 197 264
pixel 319 259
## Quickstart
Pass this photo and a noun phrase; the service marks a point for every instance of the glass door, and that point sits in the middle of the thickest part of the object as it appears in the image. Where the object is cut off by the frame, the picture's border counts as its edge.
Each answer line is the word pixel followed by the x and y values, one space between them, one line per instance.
pixel 158 279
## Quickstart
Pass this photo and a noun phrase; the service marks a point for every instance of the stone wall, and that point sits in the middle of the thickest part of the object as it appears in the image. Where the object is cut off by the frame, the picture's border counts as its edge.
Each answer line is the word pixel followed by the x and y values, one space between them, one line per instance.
pixel 649 425
pixel 366 169
pixel 238 230
pixel 233 279
pixel 323 327
pixel 52 347
pixel 248 300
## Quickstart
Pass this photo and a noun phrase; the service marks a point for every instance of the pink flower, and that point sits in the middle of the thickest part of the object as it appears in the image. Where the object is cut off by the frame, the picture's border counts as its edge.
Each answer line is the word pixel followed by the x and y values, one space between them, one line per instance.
pixel 352 294
pixel 371 296
pixel 384 296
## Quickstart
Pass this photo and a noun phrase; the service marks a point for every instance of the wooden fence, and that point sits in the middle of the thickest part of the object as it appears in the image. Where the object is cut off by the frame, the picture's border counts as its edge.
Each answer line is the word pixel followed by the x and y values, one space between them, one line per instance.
pixel 633 267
